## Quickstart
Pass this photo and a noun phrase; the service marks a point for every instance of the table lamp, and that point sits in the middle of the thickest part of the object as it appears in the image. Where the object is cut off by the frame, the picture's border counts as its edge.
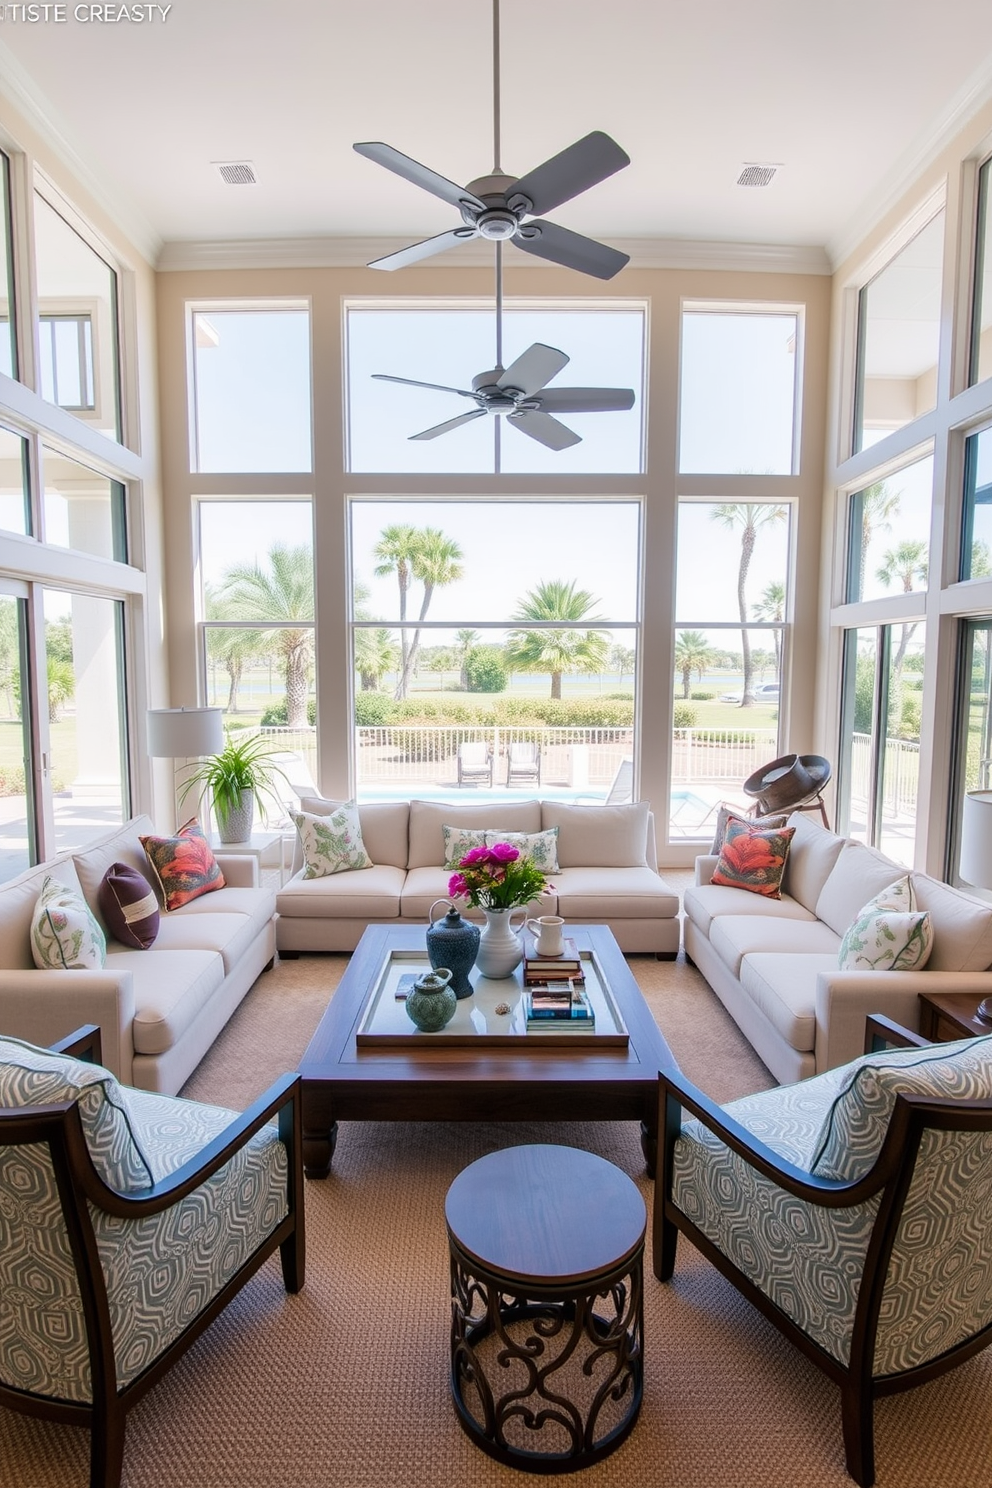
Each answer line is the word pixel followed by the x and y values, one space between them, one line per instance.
pixel 184 733
pixel 975 865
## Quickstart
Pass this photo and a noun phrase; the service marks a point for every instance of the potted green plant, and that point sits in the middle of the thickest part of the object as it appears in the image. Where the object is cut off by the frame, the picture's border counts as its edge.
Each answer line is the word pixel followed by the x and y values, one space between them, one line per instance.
pixel 241 774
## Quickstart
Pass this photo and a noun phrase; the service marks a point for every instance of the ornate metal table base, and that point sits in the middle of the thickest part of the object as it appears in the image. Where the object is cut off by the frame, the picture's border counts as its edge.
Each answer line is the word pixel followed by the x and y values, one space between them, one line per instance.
pixel 550 1381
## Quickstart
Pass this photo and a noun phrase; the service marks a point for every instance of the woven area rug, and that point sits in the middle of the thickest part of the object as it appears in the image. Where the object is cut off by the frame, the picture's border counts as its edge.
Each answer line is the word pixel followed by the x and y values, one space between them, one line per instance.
pixel 346 1385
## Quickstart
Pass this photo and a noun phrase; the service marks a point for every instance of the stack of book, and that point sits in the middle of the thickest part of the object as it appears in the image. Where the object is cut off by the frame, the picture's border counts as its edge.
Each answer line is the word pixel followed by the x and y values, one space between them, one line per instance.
pixel 561 1008
pixel 564 968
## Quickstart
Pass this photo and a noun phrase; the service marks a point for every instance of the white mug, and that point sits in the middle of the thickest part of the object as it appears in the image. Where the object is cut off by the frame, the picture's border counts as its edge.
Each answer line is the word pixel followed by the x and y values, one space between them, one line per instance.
pixel 547 932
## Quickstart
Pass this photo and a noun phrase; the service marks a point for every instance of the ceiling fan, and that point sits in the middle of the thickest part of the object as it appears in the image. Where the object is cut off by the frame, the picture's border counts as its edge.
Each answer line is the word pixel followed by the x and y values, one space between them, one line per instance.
pixel 504 208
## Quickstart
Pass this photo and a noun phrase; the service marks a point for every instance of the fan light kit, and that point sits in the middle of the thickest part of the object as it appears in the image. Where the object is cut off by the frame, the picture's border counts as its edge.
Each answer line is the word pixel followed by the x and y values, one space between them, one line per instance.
pixel 494 207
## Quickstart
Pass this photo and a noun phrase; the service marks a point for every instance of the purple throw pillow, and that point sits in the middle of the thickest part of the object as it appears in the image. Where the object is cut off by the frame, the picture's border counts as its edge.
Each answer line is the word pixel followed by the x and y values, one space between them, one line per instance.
pixel 129 907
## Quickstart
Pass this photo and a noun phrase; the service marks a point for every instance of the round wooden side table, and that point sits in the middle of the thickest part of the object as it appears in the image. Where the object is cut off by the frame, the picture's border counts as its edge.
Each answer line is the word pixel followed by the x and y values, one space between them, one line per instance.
pixel 547 1305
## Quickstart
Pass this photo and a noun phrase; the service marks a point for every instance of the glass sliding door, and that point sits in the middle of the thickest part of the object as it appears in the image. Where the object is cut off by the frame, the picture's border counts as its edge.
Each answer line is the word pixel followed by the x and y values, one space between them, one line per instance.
pixel 880 737
pixel 17 830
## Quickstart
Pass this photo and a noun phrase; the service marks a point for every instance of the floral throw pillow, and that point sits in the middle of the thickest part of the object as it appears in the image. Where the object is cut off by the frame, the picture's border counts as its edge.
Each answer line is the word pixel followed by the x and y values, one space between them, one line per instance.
pixel 539 848
pixel 460 840
pixel 331 844
pixel 754 858
pixel 183 866
pixel 889 933
pixel 65 935
pixel 727 814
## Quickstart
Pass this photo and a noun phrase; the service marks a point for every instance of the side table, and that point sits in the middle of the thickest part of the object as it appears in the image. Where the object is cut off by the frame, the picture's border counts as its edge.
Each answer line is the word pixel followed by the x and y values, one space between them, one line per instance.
pixel 547 1305
pixel 260 845
pixel 945 1016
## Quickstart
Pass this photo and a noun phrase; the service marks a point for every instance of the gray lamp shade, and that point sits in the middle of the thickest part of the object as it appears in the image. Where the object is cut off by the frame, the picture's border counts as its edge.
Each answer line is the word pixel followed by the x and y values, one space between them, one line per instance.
pixel 976 839
pixel 181 733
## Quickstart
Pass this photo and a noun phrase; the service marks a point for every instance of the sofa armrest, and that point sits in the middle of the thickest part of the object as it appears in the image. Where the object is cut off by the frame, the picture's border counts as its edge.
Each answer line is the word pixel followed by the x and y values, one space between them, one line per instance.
pixel 240 870
pixel 43 1006
pixel 705 867
pixel 844 999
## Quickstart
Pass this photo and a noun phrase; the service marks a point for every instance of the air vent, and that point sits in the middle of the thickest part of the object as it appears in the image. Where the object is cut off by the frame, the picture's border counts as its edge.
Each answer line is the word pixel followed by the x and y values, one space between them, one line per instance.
pixel 236 172
pixel 756 175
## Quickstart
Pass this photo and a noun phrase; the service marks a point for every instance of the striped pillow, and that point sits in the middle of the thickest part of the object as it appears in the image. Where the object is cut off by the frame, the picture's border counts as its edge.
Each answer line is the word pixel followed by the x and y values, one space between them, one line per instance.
pixel 129 907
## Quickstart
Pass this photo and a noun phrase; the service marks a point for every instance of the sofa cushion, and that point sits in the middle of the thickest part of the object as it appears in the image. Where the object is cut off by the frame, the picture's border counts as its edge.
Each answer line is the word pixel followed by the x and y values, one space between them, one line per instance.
pixel 230 935
pixel 599 836
pixel 962 926
pixel 36 1077
pixel 183 866
pixel 858 874
pixel 427 819
pixel 65 935
pixel 595 894
pixel 753 858
pixel 120 846
pixel 424 886
pixel 364 893
pixel 385 827
pixel 333 843
pixel 129 907
pixel 812 854
pixel 703 903
pixel 782 985
pixel 18 898
pixel 259 904
pixel 857 1119
pixel 734 936
pixel 170 991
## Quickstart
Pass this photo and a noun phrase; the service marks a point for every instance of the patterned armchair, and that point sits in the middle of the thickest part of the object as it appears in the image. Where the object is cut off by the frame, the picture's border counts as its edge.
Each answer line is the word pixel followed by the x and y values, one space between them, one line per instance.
pixel 128 1221
pixel 854 1209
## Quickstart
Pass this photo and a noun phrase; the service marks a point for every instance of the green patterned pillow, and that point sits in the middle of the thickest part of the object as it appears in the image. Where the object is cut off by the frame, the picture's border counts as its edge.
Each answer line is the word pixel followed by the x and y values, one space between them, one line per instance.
pixel 65 936
pixel 331 844
pixel 855 1125
pixel 460 840
pixel 539 848
pixel 889 933
pixel 36 1077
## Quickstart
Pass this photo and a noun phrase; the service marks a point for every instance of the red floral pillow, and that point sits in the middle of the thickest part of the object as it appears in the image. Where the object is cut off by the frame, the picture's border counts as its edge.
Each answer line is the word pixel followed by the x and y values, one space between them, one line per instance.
pixel 184 867
pixel 754 858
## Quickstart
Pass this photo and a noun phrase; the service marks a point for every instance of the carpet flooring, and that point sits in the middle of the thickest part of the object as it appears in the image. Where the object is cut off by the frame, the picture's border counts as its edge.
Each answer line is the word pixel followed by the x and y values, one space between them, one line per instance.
pixel 345 1385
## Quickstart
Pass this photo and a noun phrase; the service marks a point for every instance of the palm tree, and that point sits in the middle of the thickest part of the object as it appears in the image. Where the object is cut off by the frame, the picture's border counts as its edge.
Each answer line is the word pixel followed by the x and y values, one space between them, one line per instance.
pixel 749 516
pixel 557 651
pixel 771 606
pixel 395 550
pixel 283 593
pixel 623 659
pixel 878 506
pixel 692 654
pixel 908 564
pixel 466 640
pixel 375 650
pixel 232 648
pixel 436 561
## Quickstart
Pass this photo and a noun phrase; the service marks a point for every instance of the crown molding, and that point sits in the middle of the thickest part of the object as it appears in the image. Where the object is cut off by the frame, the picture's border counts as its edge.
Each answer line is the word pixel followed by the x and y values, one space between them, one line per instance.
pixel 345 252
pixel 963 105
pixel 19 89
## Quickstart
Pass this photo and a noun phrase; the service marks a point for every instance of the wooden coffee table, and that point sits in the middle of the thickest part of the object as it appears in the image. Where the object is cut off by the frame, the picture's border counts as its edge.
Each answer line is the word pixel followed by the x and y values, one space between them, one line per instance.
pixel 429 1079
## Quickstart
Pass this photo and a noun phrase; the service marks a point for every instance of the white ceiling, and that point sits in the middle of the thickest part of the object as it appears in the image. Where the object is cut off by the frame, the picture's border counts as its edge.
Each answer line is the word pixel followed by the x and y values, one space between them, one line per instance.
pixel 849 97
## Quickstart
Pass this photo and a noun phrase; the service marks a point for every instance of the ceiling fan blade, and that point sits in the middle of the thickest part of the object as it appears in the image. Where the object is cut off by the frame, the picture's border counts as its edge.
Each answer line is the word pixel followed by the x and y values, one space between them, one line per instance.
pixel 570 249
pixel 426 249
pixel 412 382
pixel 584 164
pixel 544 429
pixel 536 366
pixel 463 418
pixel 585 400
pixel 420 175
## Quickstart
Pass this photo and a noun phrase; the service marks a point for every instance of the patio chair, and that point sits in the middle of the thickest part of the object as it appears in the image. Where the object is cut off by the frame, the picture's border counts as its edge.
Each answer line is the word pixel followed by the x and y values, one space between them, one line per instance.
pixel 475 763
pixel 852 1209
pixel 523 763
pixel 128 1221
pixel 621 788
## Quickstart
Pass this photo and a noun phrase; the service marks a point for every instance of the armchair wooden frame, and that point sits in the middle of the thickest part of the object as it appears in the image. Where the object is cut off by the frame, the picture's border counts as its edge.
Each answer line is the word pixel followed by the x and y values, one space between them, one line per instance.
pixel 60 1128
pixel 890 1178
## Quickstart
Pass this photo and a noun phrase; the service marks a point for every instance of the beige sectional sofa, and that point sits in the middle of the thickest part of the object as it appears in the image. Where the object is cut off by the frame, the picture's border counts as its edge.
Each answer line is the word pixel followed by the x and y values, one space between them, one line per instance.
pixel 159 1010
pixel 773 962
pixel 608 872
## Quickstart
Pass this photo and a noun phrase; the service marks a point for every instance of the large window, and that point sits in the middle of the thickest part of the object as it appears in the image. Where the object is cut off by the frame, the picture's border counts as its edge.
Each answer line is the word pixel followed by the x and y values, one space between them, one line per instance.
pixel 77 323
pixel 8 341
pixel 899 337
pixel 976 532
pixel 732 600
pixel 889 532
pixel 450 347
pixel 494 624
pixel 251 389
pixel 981 323
pixel 973 770
pixel 738 392
pixel 17 836
pixel 15 506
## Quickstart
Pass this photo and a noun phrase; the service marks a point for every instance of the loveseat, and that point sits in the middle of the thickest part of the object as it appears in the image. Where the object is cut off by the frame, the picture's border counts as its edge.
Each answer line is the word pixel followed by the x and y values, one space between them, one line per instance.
pixel 608 872
pixel 773 963
pixel 158 1010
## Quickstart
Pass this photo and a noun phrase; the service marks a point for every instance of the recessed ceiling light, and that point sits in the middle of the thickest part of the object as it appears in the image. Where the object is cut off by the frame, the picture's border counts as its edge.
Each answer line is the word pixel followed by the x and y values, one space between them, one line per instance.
pixel 753 174
pixel 236 172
